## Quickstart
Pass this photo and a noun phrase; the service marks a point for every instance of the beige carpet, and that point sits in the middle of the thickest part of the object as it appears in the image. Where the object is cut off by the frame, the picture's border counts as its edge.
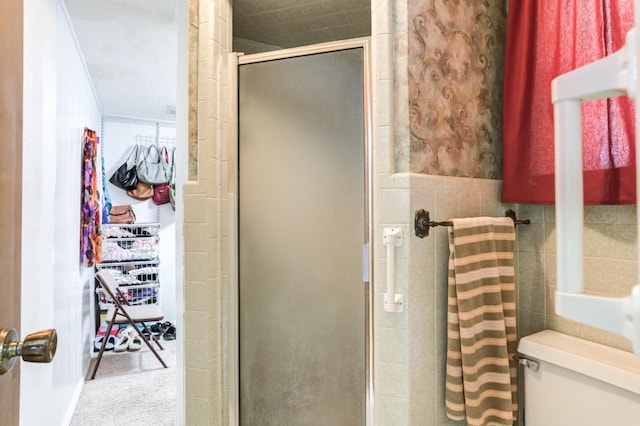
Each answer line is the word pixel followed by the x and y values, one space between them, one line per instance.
pixel 130 388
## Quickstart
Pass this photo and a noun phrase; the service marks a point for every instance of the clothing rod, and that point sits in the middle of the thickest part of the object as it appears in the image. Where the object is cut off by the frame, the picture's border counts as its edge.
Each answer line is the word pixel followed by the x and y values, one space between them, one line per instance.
pixel 422 222
pixel 153 140
pixel 142 120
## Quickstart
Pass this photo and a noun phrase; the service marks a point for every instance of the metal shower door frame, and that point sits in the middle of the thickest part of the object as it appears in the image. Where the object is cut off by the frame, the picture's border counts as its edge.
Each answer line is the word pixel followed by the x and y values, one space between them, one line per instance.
pixel 234 60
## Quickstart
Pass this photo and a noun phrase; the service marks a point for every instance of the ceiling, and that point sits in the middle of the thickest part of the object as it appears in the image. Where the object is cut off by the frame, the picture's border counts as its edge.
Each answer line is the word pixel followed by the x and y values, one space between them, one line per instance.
pixel 291 23
pixel 130 46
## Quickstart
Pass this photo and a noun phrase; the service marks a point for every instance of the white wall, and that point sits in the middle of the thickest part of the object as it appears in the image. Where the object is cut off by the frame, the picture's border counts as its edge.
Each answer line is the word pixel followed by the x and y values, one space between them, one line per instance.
pixel 59 102
pixel 119 136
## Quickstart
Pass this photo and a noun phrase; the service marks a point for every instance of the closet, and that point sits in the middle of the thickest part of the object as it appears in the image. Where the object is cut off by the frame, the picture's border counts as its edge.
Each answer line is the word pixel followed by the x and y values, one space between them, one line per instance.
pixel 140 254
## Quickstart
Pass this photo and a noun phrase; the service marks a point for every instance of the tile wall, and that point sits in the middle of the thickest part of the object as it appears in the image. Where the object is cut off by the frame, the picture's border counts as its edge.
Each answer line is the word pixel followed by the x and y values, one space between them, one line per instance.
pixel 207 240
pixel 416 394
pixel 444 198
pixel 610 268
pixel 205 202
pixel 610 262
pixel 409 346
pixel 390 209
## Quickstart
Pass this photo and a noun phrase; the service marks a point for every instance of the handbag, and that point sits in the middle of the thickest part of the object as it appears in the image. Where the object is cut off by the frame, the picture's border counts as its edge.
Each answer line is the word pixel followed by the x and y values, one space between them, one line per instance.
pixel 142 191
pixel 172 181
pixel 154 168
pixel 160 194
pixel 122 214
pixel 126 177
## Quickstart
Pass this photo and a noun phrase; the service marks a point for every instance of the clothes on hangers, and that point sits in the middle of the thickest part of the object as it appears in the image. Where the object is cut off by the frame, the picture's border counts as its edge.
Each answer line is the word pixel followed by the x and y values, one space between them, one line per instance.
pixel 90 221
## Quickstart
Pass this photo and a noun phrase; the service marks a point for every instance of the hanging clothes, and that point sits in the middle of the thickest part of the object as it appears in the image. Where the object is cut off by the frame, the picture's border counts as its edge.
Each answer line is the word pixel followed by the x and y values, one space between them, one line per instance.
pixel 106 197
pixel 545 40
pixel 90 222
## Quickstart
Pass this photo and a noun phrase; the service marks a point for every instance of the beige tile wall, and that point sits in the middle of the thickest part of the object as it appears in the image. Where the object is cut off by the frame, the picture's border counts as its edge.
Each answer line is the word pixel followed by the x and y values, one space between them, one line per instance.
pixel 419 334
pixel 205 198
pixel 444 198
pixel 409 347
pixel 207 277
pixel 610 261
pixel 206 201
pixel 390 209
pixel 206 241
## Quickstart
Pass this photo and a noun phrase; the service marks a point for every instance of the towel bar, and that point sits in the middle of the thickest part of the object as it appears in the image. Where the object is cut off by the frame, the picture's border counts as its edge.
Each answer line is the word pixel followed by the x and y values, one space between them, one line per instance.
pixel 422 223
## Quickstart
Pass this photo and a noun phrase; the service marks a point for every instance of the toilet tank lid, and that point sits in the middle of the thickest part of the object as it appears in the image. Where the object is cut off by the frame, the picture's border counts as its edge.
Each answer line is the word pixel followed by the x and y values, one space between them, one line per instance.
pixel 604 363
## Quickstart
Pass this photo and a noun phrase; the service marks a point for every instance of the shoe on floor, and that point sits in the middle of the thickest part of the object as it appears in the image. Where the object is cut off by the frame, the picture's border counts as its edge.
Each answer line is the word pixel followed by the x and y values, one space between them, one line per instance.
pixel 170 333
pixel 157 329
pixel 111 343
pixel 123 343
pixel 135 342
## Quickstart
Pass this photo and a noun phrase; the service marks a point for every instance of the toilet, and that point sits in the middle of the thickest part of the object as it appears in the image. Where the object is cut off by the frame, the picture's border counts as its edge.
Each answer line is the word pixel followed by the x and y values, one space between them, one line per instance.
pixel 570 381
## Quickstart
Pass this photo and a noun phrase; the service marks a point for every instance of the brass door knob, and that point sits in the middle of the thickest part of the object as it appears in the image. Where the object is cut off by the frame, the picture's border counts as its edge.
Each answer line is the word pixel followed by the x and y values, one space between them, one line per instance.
pixel 36 347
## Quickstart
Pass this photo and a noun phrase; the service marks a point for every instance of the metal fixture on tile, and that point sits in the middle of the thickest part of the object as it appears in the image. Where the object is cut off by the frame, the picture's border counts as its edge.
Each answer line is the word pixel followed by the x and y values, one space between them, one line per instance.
pixel 422 222
pixel 529 363
pixel 392 238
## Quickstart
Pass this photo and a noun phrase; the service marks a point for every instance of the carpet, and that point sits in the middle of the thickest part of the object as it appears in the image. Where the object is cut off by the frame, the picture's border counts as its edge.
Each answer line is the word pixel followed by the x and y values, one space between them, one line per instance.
pixel 130 388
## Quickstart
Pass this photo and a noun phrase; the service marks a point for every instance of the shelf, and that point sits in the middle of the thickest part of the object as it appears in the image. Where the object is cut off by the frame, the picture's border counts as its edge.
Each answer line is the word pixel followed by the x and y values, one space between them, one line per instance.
pixel 133 230
pixel 143 294
pixel 131 254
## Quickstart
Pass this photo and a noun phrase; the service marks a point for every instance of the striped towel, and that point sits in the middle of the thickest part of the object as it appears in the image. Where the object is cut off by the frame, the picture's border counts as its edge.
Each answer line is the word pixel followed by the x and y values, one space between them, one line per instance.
pixel 481 384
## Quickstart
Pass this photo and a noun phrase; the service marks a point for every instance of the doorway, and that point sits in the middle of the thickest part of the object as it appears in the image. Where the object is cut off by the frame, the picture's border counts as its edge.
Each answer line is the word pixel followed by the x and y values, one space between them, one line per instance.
pixel 303 220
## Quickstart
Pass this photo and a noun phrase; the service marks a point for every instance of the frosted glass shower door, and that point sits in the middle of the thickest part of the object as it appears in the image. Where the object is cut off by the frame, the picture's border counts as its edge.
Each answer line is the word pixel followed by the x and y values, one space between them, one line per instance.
pixel 302 223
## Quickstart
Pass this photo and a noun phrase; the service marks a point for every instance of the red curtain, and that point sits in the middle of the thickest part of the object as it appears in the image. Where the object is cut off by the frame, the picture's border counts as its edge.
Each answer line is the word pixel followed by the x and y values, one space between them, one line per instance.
pixel 546 39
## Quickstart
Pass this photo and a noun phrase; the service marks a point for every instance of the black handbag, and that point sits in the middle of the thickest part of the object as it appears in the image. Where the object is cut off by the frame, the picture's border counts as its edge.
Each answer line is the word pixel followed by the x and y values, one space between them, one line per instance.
pixel 126 177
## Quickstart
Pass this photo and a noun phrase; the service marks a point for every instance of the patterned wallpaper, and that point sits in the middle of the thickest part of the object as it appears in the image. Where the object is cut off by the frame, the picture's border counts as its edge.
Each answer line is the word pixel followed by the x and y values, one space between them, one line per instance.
pixel 455 60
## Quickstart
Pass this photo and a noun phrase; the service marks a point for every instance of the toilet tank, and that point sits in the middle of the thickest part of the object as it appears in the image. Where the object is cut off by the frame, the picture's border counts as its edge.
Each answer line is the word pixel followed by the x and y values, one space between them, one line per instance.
pixel 578 382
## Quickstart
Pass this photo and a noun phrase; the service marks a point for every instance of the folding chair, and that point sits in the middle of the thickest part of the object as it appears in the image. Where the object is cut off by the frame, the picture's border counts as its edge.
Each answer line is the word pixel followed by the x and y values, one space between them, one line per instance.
pixel 124 313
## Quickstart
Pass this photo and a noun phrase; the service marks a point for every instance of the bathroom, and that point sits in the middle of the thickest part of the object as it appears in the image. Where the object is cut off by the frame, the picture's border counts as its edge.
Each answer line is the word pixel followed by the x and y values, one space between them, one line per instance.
pixel 408 347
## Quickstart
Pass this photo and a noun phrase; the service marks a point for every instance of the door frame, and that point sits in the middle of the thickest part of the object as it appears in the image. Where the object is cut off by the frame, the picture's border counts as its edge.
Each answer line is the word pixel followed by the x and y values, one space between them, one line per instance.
pixel 234 61
pixel 11 117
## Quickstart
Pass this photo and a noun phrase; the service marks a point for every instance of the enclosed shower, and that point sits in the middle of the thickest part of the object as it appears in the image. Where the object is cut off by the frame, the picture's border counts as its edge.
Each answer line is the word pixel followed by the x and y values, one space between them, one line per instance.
pixel 303 233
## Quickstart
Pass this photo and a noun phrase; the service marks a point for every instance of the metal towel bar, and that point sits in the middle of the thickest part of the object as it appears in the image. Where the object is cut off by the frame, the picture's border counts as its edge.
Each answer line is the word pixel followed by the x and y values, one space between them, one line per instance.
pixel 422 223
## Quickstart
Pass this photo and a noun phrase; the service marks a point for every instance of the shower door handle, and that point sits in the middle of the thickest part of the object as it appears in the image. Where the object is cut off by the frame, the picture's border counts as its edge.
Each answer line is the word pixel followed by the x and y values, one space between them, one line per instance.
pixel 366 276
